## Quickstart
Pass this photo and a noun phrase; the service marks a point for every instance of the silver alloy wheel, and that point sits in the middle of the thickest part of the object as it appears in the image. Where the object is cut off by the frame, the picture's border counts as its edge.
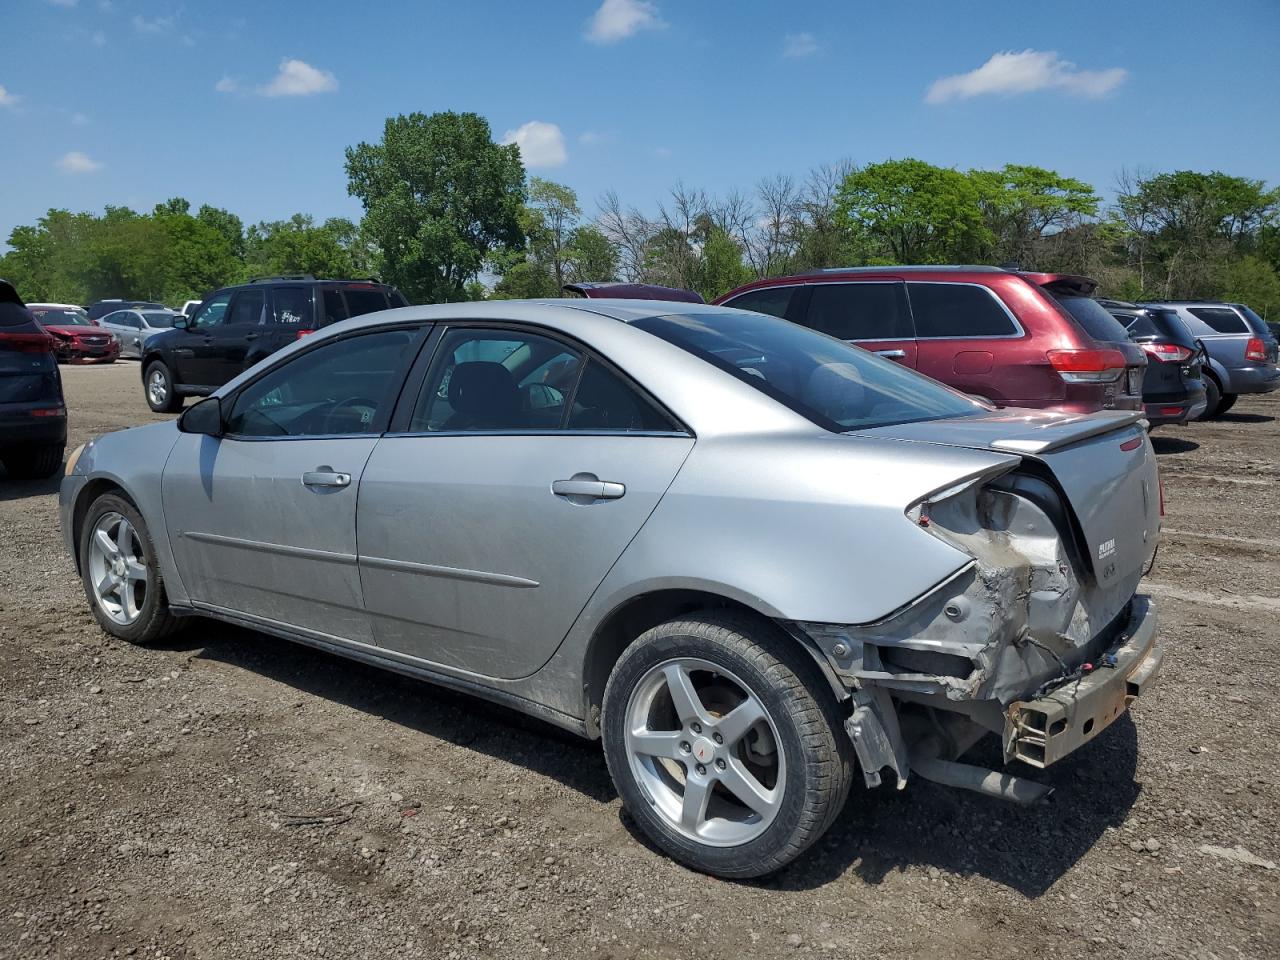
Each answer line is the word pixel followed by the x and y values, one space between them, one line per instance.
pixel 157 388
pixel 712 766
pixel 117 569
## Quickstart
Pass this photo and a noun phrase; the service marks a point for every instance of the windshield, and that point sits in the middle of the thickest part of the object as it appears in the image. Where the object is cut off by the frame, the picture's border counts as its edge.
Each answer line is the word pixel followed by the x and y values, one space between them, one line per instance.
pixel 836 385
pixel 52 317
pixel 1091 315
pixel 156 318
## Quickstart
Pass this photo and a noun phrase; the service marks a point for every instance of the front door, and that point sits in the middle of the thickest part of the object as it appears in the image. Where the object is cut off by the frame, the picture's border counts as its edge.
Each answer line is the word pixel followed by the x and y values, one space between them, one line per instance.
pixel 263 519
pixel 230 340
pixel 192 348
pixel 485 526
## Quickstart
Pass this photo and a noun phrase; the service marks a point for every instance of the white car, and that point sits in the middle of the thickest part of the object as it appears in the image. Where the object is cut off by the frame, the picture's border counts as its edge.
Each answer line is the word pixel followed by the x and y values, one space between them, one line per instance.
pixel 189 307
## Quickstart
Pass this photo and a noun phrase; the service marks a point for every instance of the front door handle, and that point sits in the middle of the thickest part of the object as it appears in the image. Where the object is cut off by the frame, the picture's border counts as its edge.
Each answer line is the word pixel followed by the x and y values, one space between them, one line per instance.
pixel 892 354
pixel 325 477
pixel 589 488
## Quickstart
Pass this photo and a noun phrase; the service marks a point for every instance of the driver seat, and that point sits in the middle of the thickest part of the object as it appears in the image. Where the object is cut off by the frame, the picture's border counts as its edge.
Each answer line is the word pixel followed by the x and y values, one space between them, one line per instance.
pixel 484 396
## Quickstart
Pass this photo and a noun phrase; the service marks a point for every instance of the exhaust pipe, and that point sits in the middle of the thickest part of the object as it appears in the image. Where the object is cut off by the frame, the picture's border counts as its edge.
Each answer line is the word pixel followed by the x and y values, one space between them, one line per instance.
pixel 1002 786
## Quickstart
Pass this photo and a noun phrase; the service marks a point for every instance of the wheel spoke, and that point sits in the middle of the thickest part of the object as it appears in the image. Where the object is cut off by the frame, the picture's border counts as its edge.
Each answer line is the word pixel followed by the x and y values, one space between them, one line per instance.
pixel 738 781
pixel 657 743
pixel 734 725
pixel 683 696
pixel 127 602
pixel 697 791
pixel 106 586
pixel 124 538
pixel 105 543
pixel 136 570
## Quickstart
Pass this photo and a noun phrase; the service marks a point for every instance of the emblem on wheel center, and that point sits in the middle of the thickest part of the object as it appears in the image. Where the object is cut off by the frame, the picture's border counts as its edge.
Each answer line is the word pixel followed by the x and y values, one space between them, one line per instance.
pixel 703 750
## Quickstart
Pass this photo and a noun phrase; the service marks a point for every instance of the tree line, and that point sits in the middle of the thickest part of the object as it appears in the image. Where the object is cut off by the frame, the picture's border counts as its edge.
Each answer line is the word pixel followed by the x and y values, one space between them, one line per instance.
pixel 449 214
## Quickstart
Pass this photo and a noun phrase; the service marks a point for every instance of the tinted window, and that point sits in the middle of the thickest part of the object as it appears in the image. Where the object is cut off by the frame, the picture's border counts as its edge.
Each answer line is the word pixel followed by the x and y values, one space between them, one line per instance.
pixel 1220 319
pixel 860 311
pixel 1093 317
pixel 155 318
pixel 212 311
pixel 604 401
pixel 291 306
pixel 334 308
pixel 837 386
pixel 497 380
pixel 397 298
pixel 771 300
pixel 247 309
pixel 360 301
pixel 343 387
pixel 958 310
pixel 126 318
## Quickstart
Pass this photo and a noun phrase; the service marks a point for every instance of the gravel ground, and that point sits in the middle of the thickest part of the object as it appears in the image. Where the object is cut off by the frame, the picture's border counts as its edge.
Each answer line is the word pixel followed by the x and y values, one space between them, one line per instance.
pixel 232 795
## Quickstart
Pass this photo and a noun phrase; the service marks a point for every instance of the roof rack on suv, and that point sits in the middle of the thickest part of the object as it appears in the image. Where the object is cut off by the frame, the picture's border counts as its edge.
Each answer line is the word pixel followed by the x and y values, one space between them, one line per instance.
pixel 910 268
pixel 283 276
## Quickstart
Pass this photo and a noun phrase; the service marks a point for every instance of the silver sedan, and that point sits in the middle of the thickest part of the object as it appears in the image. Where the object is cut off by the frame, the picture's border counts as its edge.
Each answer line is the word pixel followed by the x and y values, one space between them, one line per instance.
pixel 132 327
pixel 752 560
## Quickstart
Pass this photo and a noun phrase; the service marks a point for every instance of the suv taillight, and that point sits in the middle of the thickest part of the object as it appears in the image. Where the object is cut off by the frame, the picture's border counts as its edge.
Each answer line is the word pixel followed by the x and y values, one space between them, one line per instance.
pixel 303 333
pixel 1088 366
pixel 27 342
pixel 1167 352
pixel 1255 350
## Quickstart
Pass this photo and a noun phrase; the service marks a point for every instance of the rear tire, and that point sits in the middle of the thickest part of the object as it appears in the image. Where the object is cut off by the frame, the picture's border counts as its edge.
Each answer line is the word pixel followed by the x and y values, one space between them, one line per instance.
pixel 1213 397
pixel 127 597
pixel 1228 401
pixel 793 763
pixel 157 385
pixel 33 463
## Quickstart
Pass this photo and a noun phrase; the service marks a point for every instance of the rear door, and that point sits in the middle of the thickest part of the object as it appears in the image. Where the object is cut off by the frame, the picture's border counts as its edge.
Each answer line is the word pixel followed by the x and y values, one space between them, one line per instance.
pixel 871 313
pixel 962 329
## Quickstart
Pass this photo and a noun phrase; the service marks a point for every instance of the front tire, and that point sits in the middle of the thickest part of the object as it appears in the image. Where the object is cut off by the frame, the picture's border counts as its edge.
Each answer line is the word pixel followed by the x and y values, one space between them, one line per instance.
pixel 724 744
pixel 121 575
pixel 159 389
pixel 33 463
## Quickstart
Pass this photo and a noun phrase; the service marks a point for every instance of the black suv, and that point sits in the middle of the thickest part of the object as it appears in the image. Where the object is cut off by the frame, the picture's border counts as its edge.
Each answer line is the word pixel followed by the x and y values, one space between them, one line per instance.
pixel 1173 389
pixel 33 416
pixel 235 327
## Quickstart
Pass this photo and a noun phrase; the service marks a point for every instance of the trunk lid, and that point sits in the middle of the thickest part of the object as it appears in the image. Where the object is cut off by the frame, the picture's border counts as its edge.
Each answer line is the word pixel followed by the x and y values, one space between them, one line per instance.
pixel 1102 463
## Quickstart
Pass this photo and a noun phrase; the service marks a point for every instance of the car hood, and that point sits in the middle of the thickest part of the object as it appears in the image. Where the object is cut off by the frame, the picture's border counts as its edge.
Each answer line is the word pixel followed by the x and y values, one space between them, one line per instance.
pixel 76 331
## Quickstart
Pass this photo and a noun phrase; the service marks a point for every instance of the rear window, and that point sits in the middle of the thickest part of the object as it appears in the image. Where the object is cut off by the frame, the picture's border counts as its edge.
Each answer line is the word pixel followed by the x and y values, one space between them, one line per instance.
pixel 1256 323
pixel 1163 324
pixel 361 301
pixel 771 300
pixel 860 311
pixel 837 386
pixel 958 310
pixel 1093 317
pixel 1220 319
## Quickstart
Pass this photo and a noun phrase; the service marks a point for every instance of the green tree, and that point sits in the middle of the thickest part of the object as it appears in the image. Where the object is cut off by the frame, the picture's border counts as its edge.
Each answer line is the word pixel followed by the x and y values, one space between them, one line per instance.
pixel 593 257
pixel 1253 281
pixel 720 267
pixel 1023 205
pixel 439 197
pixel 227 224
pixel 909 211
pixel 299 245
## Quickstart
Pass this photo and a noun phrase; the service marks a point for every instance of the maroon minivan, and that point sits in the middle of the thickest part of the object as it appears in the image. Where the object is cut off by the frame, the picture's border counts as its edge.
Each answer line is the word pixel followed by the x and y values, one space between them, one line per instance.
pixel 1012 337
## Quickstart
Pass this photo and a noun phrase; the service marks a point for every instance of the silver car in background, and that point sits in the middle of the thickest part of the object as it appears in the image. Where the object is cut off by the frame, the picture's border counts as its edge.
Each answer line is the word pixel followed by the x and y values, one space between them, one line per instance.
pixel 132 327
pixel 751 559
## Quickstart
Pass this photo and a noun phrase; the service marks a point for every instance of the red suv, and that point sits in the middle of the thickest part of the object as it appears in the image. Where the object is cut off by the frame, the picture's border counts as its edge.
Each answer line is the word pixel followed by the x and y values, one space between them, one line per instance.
pixel 1011 337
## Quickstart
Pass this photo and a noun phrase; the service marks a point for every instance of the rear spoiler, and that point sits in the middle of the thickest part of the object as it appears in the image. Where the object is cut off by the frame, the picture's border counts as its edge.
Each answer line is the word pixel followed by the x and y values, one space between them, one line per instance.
pixel 1085 426
pixel 631 291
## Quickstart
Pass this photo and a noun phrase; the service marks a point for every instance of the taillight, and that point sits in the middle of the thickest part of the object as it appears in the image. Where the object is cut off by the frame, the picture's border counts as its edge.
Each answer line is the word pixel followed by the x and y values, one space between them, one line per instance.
pixel 1167 352
pixel 1088 366
pixel 49 412
pixel 303 333
pixel 27 342
pixel 1256 350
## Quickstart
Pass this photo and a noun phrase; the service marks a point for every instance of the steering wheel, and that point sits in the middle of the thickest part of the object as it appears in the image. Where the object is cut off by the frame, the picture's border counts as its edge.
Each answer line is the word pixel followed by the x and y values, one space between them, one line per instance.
pixel 338 418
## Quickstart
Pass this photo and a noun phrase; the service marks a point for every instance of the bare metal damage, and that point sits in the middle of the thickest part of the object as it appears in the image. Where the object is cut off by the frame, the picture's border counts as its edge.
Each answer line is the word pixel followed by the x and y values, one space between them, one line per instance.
pixel 976 653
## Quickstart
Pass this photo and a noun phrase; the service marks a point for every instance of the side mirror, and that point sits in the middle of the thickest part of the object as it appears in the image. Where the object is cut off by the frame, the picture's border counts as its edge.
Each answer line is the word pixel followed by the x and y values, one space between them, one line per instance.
pixel 182 322
pixel 205 418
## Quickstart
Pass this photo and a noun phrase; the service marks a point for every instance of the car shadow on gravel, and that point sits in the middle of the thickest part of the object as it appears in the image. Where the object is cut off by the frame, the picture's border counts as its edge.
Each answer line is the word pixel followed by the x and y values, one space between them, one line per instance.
pixel 1164 445
pixel 449 716
pixel 23 489
pixel 1244 418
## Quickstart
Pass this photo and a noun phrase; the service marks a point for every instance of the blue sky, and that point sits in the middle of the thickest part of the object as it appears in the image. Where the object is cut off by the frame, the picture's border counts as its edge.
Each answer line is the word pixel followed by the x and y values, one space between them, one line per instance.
pixel 248 105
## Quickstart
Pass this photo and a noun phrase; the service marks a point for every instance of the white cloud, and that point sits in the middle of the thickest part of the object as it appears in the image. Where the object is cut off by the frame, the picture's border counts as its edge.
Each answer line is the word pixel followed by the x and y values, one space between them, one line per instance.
pixel 297 78
pixel 154 25
pixel 1009 73
pixel 541 144
pixel 797 46
pixel 227 85
pixel 77 162
pixel 618 19
pixel 8 99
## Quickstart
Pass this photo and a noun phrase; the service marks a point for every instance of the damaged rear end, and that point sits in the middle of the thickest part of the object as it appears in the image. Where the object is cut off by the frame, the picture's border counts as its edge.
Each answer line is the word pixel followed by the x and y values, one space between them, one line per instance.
pixel 1042 638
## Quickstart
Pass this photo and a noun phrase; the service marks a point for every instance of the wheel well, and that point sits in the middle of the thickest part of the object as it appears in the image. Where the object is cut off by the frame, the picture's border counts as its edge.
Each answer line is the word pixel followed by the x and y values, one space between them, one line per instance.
pixel 91 492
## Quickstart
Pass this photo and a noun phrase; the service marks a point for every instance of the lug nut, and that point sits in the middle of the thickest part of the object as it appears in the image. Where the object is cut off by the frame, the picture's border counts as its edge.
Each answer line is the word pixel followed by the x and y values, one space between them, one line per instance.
pixel 697 728
pixel 720 764
pixel 717 738
pixel 701 770
pixel 684 746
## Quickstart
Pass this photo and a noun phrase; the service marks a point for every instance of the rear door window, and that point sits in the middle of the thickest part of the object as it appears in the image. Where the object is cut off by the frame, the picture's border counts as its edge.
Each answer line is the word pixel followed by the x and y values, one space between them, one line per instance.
pixel 873 310
pixel 291 307
pixel 771 300
pixel 1220 319
pixel 958 310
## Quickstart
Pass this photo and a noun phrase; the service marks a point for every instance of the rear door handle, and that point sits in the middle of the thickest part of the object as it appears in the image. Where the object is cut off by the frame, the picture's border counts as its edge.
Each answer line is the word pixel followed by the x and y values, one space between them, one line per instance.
pixel 892 354
pixel 583 487
pixel 325 477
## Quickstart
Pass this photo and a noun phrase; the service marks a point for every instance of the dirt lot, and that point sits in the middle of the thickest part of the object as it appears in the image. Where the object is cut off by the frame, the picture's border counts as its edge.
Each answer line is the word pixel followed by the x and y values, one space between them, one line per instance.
pixel 148 797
